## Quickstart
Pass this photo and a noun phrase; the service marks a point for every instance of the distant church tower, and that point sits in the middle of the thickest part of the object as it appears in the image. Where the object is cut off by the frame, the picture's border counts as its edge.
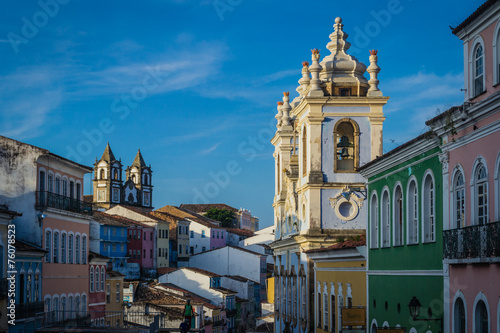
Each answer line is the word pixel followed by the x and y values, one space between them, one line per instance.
pixel 110 188
pixel 107 179
pixel 138 190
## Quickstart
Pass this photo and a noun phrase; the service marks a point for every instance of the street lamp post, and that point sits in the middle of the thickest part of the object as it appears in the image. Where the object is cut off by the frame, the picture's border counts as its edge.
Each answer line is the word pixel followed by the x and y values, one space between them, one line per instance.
pixel 414 307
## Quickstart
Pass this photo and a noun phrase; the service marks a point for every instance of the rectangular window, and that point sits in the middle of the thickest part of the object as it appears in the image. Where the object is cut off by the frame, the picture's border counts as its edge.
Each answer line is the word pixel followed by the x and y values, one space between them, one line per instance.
pixel 144 233
pixel 192 234
pixel 144 253
pixel 48 240
pixel 325 307
pixel 203 249
pixel 151 236
pixel 84 249
pixel 50 183
pixel 70 249
pixel 150 253
pixel 180 249
pixel 65 187
pixel 122 232
pixel 114 248
pixel 122 247
pixel 116 195
pixel 203 234
pixel 55 249
pixel 63 248
pixel 179 230
pixel 138 234
pixel 77 250
pixel 108 293
pixel 113 232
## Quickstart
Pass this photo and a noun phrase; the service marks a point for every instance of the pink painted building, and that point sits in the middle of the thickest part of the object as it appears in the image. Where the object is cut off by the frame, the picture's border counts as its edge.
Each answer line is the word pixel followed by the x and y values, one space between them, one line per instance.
pixel 219 237
pixel 471 168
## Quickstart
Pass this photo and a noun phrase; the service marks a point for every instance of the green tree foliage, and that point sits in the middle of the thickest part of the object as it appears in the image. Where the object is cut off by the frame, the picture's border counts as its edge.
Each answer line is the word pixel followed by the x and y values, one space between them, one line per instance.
pixel 223 215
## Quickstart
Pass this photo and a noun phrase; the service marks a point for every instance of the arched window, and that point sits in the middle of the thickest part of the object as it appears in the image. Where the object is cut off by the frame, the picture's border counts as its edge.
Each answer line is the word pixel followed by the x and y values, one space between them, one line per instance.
pixel 429 207
pixel 325 313
pixel 478 67
pixel 346 141
pixel 374 222
pixel 145 179
pixel 71 189
pixel 304 151
pixel 115 175
pixel 133 179
pixel 481 322
pixel 91 279
pixel 481 191
pixel 385 219
pixel 412 212
pixel 459 200
pixel 459 316
pixel 398 216
pixel 101 174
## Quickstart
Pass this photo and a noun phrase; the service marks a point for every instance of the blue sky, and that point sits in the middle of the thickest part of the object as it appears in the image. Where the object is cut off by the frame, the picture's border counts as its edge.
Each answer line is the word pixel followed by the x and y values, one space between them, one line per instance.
pixel 194 84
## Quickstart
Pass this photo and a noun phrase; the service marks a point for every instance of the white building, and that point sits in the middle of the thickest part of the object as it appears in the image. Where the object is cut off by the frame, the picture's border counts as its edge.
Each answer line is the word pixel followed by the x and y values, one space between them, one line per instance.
pixel 231 260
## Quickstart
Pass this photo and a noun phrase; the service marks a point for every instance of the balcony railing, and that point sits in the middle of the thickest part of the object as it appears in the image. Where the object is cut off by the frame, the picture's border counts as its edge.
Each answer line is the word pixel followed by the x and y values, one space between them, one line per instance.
pixel 474 242
pixel 53 200
pixel 29 310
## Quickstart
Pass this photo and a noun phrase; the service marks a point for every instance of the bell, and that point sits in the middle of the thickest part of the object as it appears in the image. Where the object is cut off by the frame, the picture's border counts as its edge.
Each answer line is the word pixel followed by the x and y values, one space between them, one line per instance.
pixel 344 153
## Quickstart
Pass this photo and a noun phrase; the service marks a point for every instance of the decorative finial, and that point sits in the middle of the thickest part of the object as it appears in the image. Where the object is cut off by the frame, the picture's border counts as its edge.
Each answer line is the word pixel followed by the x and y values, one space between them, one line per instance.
pixel 286 93
pixel 305 79
pixel 286 109
pixel 279 115
pixel 373 70
pixel 338 20
pixel 315 68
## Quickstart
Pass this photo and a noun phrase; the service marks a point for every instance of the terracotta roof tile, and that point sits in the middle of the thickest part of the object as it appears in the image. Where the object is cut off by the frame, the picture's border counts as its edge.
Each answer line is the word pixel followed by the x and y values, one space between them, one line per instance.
pixel 347 244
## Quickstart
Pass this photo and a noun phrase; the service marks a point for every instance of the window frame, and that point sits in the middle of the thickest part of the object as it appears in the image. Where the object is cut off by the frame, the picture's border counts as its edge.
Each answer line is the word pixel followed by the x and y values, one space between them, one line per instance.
pixel 385 219
pixel 374 221
pixel 398 220
pixel 431 211
pixel 412 210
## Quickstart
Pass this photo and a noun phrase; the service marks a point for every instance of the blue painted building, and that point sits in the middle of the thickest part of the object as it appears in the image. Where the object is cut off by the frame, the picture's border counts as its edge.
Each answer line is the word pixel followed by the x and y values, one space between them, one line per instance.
pixel 108 237
pixel 29 304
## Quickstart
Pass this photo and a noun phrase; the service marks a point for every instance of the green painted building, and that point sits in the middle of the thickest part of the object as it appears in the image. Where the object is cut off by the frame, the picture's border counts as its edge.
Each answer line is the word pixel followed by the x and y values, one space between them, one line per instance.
pixel 404 236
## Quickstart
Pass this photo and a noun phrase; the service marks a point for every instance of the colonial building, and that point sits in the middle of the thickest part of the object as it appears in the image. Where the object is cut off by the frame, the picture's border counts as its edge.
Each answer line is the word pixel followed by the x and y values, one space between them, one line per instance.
pixel 111 189
pixel 405 205
pixel 330 129
pixel 470 136
pixel 97 292
pixel 340 272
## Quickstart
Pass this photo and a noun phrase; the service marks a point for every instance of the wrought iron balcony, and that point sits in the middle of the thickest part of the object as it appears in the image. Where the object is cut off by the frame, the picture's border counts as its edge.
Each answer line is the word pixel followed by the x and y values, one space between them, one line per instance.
pixel 474 242
pixel 53 200
pixel 29 310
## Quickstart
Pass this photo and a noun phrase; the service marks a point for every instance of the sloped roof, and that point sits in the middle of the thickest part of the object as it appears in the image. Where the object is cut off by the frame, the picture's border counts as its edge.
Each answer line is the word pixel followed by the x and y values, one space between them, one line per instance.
pixel 201 208
pixel 224 290
pixel 187 214
pixel 232 247
pixel 240 232
pixel 112 273
pixel 24 246
pixel 107 219
pixel 142 212
pixel 130 222
pixel 480 10
pixel 395 150
pixel 347 244
pixel 166 270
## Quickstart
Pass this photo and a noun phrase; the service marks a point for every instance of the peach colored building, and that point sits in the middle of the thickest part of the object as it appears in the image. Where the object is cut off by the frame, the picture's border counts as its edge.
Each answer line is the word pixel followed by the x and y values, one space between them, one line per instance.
pixel 65 235
pixel 471 169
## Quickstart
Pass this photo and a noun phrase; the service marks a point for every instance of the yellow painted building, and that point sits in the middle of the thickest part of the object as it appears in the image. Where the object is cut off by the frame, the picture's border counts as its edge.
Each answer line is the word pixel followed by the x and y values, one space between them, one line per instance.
pixel 270 290
pixel 340 287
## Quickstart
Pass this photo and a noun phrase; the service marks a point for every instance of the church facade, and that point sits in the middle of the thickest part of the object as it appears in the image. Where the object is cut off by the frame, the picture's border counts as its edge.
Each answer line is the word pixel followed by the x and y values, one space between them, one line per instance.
pixel 110 188
pixel 323 136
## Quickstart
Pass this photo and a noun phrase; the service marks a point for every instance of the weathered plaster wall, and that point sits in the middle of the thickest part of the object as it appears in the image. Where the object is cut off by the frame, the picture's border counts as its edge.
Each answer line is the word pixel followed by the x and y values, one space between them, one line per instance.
pixel 18 175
